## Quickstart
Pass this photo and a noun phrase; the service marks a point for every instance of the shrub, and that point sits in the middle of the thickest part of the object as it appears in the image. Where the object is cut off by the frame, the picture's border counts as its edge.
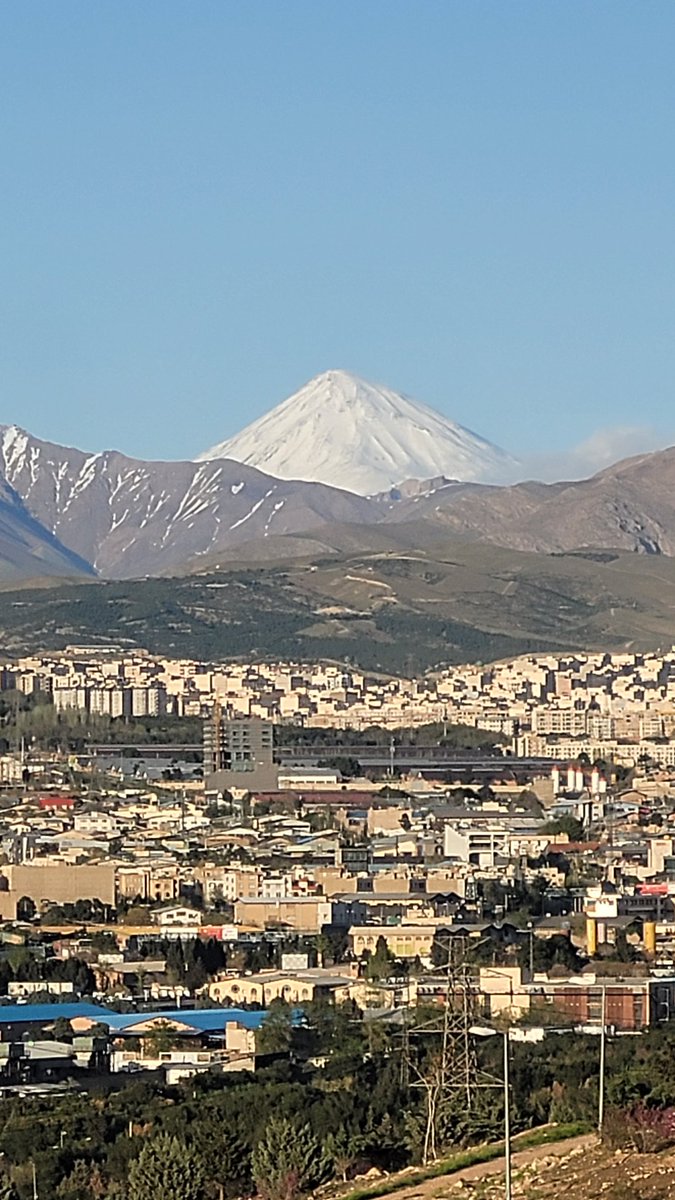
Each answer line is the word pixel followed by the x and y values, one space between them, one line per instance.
pixel 647 1130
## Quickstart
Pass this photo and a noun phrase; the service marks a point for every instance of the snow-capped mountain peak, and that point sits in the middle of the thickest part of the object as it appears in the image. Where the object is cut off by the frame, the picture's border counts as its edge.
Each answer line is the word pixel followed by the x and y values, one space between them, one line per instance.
pixel 341 430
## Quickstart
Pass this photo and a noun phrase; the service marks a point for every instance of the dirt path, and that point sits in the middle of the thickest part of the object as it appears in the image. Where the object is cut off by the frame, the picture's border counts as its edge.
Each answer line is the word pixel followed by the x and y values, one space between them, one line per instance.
pixel 520 1158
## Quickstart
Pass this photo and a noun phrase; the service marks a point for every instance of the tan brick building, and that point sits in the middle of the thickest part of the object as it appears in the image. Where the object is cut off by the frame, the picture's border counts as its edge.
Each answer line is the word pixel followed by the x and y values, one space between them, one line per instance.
pixel 54 882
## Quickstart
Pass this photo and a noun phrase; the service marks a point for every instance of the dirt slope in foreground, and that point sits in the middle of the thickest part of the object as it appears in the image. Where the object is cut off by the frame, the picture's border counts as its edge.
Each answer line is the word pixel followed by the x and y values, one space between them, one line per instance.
pixel 580 1171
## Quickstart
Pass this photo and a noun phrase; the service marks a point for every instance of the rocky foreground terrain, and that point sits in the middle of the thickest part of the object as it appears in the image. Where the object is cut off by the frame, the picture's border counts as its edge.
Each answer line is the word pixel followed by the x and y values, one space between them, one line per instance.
pixel 583 1173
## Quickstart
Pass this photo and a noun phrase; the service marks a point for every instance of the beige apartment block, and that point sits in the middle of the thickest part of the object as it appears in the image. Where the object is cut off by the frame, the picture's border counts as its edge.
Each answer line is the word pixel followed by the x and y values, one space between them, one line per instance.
pixel 306 914
pixel 404 941
pixel 502 993
pixel 147 883
pixel 218 882
pixel 388 820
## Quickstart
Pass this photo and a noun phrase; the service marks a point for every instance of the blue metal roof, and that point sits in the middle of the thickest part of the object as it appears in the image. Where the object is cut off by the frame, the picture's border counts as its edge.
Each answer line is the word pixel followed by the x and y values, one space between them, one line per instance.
pixel 203 1020
pixel 39 1013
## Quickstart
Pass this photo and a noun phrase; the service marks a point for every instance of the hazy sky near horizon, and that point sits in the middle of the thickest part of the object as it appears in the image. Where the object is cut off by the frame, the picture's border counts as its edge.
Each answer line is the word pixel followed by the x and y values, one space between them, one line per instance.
pixel 205 204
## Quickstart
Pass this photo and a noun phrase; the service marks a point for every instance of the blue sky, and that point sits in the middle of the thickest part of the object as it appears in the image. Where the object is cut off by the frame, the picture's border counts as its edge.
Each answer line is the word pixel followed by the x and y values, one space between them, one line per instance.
pixel 204 204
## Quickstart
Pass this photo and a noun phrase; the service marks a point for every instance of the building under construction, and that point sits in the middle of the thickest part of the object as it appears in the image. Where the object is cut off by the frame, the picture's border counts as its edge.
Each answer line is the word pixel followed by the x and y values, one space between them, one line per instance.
pixel 238 754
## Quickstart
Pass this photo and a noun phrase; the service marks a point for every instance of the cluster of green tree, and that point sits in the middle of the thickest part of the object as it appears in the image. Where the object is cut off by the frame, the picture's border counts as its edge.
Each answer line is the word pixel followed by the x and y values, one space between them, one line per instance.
pixel 571 826
pixel 86 911
pixel 23 964
pixel 437 733
pixel 193 962
pixel 291 1127
pixel 516 900
pixel 35 719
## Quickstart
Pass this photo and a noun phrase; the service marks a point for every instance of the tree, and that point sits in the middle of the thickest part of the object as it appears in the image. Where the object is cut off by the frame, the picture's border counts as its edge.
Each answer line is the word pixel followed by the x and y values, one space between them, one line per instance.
pixel 343 1150
pixel 380 963
pixel 77 1185
pixel 348 766
pixel 161 1039
pixel 288 1161
pixel 226 1158
pixel 166 1167
pixel 62 1030
pixel 275 1035
pixel 567 824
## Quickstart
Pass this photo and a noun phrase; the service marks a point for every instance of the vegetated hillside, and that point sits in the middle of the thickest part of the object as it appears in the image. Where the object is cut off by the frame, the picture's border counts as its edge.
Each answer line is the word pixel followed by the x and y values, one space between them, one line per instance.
pixel 391 611
pixel 629 506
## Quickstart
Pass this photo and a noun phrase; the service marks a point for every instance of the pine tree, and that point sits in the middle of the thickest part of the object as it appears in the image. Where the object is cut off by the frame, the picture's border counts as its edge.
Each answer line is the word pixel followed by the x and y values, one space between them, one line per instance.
pixel 75 1186
pixel 166 1168
pixel 288 1161
pixel 343 1149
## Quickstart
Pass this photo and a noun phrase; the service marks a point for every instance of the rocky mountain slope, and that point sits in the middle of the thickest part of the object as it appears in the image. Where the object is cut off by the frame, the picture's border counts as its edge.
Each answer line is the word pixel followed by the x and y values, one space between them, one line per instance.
pixel 128 518
pixel 132 518
pixel 628 506
pixel 27 549
pixel 343 431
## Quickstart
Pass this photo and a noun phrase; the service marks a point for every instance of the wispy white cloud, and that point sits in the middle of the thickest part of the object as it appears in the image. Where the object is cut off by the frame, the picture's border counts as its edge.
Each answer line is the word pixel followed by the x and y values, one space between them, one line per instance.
pixel 601 449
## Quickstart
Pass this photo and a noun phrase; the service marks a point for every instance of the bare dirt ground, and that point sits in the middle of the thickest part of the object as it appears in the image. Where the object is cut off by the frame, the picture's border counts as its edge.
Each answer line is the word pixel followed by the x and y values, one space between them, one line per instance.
pixel 579 1169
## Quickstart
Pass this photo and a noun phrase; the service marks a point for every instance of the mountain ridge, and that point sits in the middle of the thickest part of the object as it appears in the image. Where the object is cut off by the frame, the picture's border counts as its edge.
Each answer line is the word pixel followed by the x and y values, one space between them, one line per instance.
pixel 121 517
pixel 629 505
pixel 130 518
pixel 27 549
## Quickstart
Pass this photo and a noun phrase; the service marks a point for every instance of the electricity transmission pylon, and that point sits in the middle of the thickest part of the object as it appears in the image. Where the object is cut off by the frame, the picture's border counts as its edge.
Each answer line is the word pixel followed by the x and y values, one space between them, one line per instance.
pixel 439 1055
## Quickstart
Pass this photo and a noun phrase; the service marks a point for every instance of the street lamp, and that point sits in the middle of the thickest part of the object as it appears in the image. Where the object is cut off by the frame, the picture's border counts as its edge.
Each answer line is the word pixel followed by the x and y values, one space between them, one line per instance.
pixel 488 1031
pixel 602 1070
pixel 530 927
pixel 603 1055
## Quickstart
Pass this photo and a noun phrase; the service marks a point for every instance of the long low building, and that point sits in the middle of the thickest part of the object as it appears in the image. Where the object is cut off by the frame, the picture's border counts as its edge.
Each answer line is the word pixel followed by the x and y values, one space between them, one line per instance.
pixel 305 914
pixel 263 987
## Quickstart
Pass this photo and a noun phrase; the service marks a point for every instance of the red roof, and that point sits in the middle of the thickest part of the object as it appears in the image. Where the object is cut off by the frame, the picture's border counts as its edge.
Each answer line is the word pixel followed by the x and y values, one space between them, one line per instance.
pixel 56 801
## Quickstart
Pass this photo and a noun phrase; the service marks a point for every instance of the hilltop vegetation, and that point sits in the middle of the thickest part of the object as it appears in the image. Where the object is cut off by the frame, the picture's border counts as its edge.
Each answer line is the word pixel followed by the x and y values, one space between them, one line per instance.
pixel 391 612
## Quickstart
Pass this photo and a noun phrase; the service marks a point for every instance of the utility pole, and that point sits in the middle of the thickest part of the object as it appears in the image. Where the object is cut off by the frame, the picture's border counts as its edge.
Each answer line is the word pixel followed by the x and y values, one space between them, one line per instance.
pixel 35 1187
pixel 603 1052
pixel 507 1119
